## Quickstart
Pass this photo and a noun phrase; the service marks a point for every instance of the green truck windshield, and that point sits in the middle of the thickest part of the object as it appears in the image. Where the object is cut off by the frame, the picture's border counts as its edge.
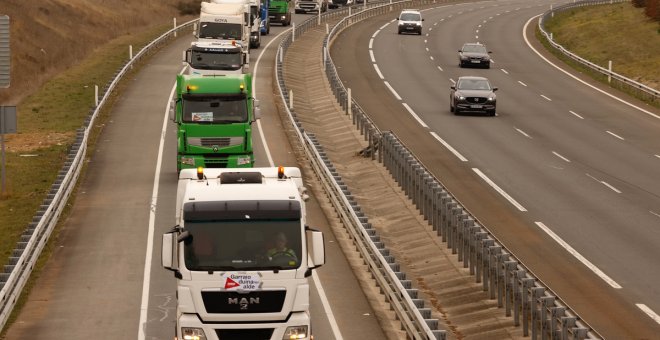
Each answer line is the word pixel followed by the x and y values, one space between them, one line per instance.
pixel 214 109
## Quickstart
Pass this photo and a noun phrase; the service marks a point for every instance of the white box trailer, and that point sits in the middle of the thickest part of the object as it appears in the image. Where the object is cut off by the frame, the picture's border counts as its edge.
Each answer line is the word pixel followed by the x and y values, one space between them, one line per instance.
pixel 241 252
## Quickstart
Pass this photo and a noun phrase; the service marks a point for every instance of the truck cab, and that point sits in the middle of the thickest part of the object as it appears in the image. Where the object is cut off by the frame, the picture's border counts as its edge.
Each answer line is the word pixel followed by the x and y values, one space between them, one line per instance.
pixel 207 58
pixel 232 281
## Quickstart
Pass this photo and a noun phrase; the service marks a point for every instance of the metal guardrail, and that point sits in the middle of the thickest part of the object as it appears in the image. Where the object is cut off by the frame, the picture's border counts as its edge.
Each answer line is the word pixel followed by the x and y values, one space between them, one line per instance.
pixel 540 312
pixel 623 82
pixel 36 235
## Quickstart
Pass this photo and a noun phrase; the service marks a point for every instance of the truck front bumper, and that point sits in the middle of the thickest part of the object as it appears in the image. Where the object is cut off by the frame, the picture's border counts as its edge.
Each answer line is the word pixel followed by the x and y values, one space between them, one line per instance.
pixel 216 161
pixel 253 330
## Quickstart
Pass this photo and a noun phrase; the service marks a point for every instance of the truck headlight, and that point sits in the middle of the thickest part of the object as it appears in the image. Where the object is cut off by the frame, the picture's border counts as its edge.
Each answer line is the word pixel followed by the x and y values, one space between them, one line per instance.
pixel 295 332
pixel 188 161
pixel 243 160
pixel 189 333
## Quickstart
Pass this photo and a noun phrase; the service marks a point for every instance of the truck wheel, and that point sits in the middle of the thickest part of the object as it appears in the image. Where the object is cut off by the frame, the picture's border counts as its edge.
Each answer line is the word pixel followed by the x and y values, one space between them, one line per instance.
pixel 268 27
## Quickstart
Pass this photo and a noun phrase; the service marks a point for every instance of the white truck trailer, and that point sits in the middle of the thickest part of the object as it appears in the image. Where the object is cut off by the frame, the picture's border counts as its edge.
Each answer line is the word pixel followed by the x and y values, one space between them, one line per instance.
pixel 224 23
pixel 253 7
pixel 209 58
pixel 242 252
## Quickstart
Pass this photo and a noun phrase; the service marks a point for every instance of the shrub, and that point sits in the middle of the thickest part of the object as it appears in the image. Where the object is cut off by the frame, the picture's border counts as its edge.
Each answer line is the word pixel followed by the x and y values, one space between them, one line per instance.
pixel 639 3
pixel 188 7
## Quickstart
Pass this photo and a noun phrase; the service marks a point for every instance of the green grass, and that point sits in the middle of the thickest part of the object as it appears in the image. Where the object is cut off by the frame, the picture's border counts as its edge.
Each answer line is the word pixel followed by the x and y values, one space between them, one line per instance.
pixel 58 108
pixel 618 32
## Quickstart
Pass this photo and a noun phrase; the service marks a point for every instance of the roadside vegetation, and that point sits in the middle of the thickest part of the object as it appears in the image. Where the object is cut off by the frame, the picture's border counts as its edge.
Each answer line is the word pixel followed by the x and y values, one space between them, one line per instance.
pixel 619 32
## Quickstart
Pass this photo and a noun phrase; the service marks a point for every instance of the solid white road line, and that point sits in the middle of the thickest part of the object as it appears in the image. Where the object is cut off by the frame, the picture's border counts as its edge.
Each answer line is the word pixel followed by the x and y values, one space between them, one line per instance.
pixel 576 115
pixel 499 190
pixel 371 54
pixel 521 83
pixel 380 75
pixel 546 98
pixel 577 255
pixel 449 147
pixel 578 79
pixel 523 133
pixel 615 135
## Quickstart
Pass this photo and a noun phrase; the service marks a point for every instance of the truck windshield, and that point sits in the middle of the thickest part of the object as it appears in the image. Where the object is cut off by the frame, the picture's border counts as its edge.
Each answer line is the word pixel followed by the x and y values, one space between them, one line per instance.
pixel 214 30
pixel 216 60
pixel 243 245
pixel 215 109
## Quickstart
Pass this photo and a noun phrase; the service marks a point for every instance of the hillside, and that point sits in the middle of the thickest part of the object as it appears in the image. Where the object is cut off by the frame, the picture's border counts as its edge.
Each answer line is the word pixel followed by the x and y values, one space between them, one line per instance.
pixel 49 36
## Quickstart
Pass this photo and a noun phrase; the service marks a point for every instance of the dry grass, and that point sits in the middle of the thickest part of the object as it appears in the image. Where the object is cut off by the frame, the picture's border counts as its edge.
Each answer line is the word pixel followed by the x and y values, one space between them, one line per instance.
pixel 619 32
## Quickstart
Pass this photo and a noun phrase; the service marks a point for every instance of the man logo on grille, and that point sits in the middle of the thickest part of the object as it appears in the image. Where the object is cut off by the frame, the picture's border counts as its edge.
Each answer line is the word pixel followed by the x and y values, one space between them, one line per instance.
pixel 244 303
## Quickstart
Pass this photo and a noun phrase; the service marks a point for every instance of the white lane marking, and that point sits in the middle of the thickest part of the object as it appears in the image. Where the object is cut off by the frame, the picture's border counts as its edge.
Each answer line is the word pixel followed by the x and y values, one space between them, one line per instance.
pixel 562 157
pixel 373 36
pixel 425 41
pixel 605 184
pixel 419 120
pixel 576 115
pixel 430 29
pixel 503 70
pixel 546 98
pixel 383 27
pixel 431 57
pixel 476 37
pixel 371 43
pixel 371 55
pixel 579 256
pixel 441 70
pixel 654 213
pixel 615 135
pixel 499 190
pixel 578 79
pixel 648 312
pixel 380 75
pixel 521 83
pixel 449 147
pixel 427 49
pixel 477 31
pixel 657 156
pixel 523 133
pixel 392 90
pixel 479 26
pixel 452 81
pixel 146 276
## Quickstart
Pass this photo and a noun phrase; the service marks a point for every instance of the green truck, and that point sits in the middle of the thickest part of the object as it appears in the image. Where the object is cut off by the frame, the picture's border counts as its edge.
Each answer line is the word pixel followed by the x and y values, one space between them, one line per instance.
pixel 279 11
pixel 214 116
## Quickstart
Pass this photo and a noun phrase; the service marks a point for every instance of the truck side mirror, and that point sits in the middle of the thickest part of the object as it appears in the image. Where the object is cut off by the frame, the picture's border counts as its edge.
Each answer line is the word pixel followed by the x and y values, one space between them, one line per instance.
pixel 168 251
pixel 318 248
pixel 172 110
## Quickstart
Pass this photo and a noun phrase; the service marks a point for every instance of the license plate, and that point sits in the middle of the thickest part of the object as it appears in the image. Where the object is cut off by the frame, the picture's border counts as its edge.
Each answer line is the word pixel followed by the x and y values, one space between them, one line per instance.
pixel 475 61
pixel 476 106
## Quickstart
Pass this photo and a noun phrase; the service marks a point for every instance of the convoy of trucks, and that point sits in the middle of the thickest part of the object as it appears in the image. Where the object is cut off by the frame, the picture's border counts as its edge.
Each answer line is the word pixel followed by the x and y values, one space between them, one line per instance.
pixel 241 252
pixel 214 117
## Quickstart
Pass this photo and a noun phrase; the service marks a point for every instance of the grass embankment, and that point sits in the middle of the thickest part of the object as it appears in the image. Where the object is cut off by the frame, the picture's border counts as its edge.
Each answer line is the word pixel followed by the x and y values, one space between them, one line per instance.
pixel 618 32
pixel 47 124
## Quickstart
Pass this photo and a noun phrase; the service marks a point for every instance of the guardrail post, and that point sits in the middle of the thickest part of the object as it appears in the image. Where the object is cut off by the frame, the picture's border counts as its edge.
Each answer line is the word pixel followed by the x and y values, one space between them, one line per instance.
pixel 518 291
pixel 468 223
pixel 96 95
pixel 580 333
pixel 566 324
pixel 537 293
pixel 485 246
pixel 290 99
pixel 609 68
pixel 493 253
pixel 556 315
pixel 293 32
pixel 501 279
pixel 546 303
pixel 174 20
pixel 509 288
pixel 477 238
pixel 527 285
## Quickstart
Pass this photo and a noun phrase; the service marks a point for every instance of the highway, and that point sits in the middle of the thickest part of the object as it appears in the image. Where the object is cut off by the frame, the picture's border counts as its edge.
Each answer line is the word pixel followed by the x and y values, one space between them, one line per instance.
pixel 566 177
pixel 96 284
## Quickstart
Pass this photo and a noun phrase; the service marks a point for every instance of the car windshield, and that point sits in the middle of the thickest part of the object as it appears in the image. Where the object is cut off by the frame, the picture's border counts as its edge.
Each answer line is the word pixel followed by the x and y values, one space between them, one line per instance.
pixel 474 49
pixel 473 84
pixel 410 17
pixel 213 30
pixel 243 245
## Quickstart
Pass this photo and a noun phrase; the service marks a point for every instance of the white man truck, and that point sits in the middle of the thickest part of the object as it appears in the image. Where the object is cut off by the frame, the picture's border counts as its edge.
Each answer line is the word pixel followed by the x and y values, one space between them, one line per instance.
pixel 209 58
pixel 224 23
pixel 242 252
pixel 253 8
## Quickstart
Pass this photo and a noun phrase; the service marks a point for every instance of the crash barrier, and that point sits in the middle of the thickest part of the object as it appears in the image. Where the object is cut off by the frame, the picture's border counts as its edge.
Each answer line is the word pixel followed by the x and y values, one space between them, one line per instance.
pixel 35 236
pixel 619 81
pixel 532 305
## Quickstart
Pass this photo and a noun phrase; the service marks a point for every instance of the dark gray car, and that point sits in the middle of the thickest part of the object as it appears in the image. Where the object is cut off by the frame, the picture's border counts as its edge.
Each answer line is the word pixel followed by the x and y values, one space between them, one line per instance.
pixel 474 54
pixel 473 94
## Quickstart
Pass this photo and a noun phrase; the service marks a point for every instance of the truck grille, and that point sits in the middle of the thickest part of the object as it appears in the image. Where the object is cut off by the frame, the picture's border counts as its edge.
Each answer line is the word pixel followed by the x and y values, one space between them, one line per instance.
pixel 215 141
pixel 242 334
pixel 254 302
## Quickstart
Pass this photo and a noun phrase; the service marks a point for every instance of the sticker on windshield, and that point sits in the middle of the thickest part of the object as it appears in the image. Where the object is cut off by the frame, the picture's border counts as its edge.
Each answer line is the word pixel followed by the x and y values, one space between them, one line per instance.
pixel 202 116
pixel 235 281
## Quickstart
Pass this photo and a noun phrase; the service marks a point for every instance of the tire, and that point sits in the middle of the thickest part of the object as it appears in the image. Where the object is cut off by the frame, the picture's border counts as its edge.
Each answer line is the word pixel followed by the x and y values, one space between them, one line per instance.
pixel 492 113
pixel 457 112
pixel 451 108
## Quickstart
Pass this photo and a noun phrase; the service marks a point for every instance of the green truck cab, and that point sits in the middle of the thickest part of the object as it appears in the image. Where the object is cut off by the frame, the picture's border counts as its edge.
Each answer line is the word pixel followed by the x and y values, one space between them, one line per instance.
pixel 279 11
pixel 214 117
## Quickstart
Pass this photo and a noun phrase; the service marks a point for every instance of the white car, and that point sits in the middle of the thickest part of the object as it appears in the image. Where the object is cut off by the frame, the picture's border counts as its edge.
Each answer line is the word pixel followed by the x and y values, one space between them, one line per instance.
pixel 410 21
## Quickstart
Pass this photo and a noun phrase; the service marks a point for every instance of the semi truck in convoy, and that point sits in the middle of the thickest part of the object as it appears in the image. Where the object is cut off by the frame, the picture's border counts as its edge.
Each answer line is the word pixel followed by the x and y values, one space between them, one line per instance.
pixel 224 23
pixel 241 253
pixel 207 58
pixel 265 18
pixel 279 11
pixel 214 117
pixel 252 8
